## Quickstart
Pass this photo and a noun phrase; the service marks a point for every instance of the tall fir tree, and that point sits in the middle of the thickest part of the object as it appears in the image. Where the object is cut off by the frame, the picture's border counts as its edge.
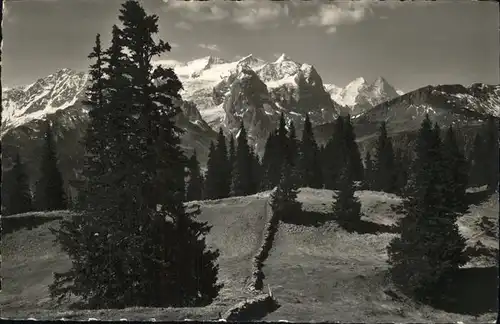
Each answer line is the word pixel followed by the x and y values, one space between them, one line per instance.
pixel 293 146
pixel 132 242
pixel 210 186
pixel 430 247
pixel 476 161
pixel 384 173
pixel 18 198
pixel 455 171
pixel 491 168
pixel 309 163
pixel 401 169
pixel 352 151
pixel 49 192
pixel 243 184
pixel 224 165
pixel 284 200
pixel 271 162
pixel 194 188
pixel 368 173
pixel 347 208
pixel 232 155
pixel 335 156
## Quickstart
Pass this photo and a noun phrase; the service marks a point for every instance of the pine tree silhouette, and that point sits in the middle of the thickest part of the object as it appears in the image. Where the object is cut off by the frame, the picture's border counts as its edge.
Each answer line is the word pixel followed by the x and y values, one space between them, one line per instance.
pixel 194 189
pixel 430 248
pixel 347 208
pixel 385 176
pixel 243 184
pixel 309 164
pixel 49 192
pixel 18 198
pixel 132 243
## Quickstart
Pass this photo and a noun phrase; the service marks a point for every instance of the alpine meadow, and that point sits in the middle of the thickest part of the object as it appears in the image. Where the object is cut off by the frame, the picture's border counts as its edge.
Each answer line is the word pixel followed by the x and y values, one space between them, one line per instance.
pixel 154 170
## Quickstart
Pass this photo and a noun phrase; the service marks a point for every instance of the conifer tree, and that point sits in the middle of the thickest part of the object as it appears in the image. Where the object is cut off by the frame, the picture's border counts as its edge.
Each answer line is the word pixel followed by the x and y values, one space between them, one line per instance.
pixel 132 242
pixel 195 184
pixel 347 208
pixel 271 163
pixel 335 156
pixel 491 160
pixel 18 199
pixel 309 166
pixel 232 155
pixel 384 177
pixel 242 181
pixel 401 167
pixel 210 185
pixel 223 168
pixel 352 150
pixel 455 173
pixel 368 174
pixel 476 161
pixel 430 247
pixel 293 145
pixel 49 192
pixel 256 172
pixel 284 200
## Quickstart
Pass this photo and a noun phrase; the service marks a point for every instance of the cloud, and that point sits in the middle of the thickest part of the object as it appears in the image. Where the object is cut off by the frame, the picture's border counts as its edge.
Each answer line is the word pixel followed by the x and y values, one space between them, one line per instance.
pixel 183 25
pixel 210 47
pixel 332 14
pixel 173 45
pixel 251 14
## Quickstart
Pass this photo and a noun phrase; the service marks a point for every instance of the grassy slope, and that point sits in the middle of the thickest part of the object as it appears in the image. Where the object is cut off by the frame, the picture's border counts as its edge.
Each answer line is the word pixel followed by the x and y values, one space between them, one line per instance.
pixel 315 273
pixel 30 257
pixel 325 273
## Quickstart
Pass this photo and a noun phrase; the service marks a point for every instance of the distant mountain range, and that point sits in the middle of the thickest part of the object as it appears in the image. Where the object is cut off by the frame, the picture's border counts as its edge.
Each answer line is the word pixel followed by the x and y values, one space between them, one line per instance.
pixel 218 93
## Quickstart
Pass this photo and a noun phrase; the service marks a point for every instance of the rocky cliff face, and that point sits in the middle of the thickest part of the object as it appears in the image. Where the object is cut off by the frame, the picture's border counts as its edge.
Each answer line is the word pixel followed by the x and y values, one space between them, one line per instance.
pixel 360 96
pixel 58 99
pixel 456 105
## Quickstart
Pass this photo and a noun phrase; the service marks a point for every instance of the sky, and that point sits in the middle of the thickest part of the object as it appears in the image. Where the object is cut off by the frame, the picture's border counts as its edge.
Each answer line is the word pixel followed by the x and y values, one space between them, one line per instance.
pixel 410 44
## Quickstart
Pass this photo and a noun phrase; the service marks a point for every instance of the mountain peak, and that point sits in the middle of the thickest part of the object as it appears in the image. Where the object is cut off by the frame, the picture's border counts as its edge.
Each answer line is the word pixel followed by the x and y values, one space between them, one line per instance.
pixel 283 57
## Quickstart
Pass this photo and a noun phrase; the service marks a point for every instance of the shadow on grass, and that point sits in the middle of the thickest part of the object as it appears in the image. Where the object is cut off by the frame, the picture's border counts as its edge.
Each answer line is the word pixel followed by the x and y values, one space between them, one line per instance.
pixel 476 198
pixel 15 223
pixel 316 219
pixel 474 291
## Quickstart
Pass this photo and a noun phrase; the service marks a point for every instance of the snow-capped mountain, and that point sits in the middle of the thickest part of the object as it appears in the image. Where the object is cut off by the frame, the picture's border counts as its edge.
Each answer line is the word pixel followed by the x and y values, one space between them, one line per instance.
pixel 445 104
pixel 360 95
pixel 58 98
pixel 464 107
pixel 43 97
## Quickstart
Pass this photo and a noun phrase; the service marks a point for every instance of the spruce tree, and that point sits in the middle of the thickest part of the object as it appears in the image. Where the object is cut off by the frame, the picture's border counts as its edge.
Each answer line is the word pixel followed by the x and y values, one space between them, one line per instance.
pixel 132 242
pixel 223 166
pixel 401 168
pixel 194 188
pixel 210 186
pixel 352 150
pixel 242 181
pixel 491 160
pixel 232 155
pixel 49 192
pixel 384 175
pixel 368 174
pixel 335 156
pixel 271 162
pixel 18 199
pixel 284 200
pixel 476 161
pixel 347 208
pixel 430 247
pixel 455 172
pixel 309 165
pixel 293 146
